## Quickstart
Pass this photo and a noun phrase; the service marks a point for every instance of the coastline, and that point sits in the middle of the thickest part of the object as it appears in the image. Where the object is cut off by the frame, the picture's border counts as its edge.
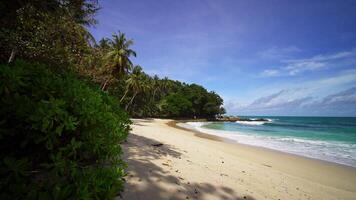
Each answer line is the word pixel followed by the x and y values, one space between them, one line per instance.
pixel 201 161
pixel 200 134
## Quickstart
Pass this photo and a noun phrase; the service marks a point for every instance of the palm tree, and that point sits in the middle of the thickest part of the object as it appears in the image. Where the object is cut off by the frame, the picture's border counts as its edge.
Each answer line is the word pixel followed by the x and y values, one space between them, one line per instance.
pixel 166 85
pixel 143 86
pixel 104 44
pixel 137 82
pixel 156 84
pixel 132 83
pixel 117 59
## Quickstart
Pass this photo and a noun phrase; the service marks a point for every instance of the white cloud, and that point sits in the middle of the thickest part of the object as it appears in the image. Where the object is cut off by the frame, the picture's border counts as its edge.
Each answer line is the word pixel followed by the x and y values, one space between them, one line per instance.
pixel 270 73
pixel 321 58
pixel 335 83
pixel 233 105
pixel 278 53
pixel 298 67
pixel 294 67
pixel 338 104
pixel 282 99
pixel 285 102
pixel 288 99
pixel 324 96
pixel 343 97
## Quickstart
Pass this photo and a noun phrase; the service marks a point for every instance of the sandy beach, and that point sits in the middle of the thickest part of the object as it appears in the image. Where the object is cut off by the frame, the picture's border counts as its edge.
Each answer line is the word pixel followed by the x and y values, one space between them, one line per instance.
pixel 166 162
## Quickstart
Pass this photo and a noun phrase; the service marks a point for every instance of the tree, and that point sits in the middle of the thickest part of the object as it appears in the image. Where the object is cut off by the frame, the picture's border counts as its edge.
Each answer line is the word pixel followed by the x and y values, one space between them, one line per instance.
pixel 212 107
pixel 156 85
pixel 137 82
pixel 104 44
pixel 117 59
pixel 155 97
pixel 60 137
pixel 176 105
pixel 50 31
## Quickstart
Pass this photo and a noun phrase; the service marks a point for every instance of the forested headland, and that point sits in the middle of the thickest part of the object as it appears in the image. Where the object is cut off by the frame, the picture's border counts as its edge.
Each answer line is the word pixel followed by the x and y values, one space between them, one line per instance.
pixel 66 100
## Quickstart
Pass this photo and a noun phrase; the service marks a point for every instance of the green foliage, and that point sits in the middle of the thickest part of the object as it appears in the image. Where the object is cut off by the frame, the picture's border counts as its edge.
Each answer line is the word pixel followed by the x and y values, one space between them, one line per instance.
pixel 155 97
pixel 176 105
pixel 50 31
pixel 59 133
pixel 54 32
pixel 115 58
pixel 59 137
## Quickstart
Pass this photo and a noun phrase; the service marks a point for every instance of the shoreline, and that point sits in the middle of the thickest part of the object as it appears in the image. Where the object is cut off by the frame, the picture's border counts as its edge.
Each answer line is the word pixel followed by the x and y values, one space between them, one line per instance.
pixel 198 133
pixel 186 165
pixel 321 164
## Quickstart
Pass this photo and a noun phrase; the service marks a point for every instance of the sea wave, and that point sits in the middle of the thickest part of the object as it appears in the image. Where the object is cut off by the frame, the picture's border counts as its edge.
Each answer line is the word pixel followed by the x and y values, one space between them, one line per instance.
pixel 332 151
pixel 194 124
pixel 269 120
pixel 251 122
pixel 255 121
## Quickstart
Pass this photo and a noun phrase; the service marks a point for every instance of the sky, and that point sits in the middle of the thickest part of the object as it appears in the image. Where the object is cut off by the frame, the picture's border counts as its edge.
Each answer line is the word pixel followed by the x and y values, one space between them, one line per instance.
pixel 275 57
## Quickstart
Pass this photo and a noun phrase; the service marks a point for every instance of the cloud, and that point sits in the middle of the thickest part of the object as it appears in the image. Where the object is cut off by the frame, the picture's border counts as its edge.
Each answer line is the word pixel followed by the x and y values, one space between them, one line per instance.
pixel 233 105
pixel 270 73
pixel 279 53
pixel 327 96
pixel 297 66
pixel 282 99
pixel 268 99
pixel 345 97
pixel 301 66
pixel 346 77
pixel 292 67
pixel 321 58
pixel 338 104
pixel 336 81
pixel 285 102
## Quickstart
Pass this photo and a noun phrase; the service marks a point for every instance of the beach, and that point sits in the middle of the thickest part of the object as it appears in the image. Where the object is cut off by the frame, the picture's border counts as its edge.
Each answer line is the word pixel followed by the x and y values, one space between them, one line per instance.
pixel 169 162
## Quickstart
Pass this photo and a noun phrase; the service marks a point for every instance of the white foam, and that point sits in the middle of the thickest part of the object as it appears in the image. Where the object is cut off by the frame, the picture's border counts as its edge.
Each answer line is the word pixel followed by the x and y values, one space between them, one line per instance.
pixel 343 153
pixel 254 122
pixel 251 122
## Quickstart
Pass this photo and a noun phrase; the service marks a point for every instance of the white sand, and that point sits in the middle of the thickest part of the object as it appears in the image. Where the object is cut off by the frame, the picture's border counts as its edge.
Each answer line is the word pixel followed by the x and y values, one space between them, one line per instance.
pixel 187 166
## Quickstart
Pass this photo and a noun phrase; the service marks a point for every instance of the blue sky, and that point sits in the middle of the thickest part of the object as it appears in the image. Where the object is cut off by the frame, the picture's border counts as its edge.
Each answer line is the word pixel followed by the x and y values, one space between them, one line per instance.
pixel 263 57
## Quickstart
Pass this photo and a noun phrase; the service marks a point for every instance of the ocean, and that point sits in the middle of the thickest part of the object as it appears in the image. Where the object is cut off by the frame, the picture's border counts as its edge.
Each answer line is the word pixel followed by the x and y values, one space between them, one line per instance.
pixel 331 139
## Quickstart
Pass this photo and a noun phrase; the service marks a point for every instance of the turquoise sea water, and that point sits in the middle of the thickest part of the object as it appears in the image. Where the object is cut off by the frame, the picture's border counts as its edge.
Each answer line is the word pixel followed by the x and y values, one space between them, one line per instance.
pixel 327 138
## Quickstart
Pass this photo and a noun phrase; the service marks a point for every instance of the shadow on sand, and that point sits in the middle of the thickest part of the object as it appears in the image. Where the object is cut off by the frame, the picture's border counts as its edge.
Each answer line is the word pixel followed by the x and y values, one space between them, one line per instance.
pixel 147 180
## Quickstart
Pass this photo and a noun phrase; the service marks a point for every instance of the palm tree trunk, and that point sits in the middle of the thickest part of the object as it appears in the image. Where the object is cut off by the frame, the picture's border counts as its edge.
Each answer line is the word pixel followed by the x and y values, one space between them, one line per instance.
pixel 105 84
pixel 154 94
pixel 123 97
pixel 12 56
pixel 133 97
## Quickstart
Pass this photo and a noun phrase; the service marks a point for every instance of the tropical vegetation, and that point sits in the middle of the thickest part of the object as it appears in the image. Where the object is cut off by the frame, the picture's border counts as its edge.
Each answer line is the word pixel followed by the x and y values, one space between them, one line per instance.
pixel 60 136
pixel 65 101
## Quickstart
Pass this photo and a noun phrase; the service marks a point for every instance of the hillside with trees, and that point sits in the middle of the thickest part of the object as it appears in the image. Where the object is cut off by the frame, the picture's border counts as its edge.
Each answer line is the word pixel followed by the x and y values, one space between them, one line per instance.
pixel 140 94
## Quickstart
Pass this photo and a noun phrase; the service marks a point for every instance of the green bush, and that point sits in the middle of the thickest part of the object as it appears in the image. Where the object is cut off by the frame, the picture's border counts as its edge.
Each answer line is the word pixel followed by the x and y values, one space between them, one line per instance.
pixel 59 137
pixel 176 105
